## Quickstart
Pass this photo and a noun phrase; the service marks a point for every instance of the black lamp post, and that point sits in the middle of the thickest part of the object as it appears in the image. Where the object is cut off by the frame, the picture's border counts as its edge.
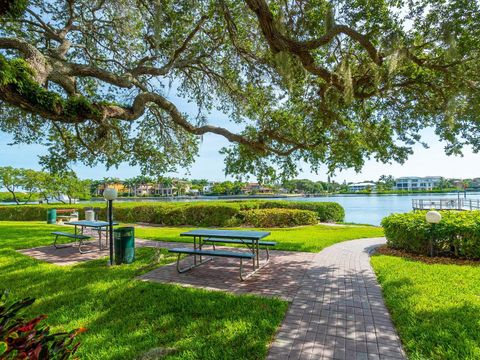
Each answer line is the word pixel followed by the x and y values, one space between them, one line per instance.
pixel 110 194
pixel 433 218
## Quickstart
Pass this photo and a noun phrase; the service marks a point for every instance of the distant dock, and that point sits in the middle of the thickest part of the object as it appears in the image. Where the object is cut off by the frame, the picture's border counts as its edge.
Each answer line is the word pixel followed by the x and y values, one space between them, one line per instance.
pixel 446 204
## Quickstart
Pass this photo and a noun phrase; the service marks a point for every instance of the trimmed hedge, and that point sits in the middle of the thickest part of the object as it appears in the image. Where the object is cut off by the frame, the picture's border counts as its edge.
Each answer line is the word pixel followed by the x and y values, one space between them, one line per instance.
pixel 206 213
pixel 458 234
pixel 278 217
pixel 326 211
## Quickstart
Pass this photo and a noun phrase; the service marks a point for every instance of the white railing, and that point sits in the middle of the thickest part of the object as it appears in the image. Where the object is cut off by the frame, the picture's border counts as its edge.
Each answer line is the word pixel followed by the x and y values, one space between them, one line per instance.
pixel 446 204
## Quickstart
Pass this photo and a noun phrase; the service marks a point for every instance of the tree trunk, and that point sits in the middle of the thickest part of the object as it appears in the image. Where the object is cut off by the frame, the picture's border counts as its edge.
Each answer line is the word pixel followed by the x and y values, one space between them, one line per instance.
pixel 12 191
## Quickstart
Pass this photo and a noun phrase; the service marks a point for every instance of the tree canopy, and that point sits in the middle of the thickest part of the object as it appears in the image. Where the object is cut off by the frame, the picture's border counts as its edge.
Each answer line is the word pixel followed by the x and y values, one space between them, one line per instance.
pixel 320 82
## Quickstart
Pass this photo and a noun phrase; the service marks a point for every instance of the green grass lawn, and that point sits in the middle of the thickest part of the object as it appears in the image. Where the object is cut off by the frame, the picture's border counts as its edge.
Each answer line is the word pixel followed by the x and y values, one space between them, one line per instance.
pixel 126 318
pixel 436 308
pixel 304 238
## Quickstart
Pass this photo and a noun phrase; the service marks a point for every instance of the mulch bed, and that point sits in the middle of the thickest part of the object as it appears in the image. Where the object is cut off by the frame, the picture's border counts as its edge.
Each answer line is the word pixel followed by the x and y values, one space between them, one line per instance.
pixel 385 250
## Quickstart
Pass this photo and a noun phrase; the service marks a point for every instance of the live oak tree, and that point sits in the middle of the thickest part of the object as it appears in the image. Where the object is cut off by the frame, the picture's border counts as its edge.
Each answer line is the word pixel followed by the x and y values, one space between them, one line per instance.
pixel 311 81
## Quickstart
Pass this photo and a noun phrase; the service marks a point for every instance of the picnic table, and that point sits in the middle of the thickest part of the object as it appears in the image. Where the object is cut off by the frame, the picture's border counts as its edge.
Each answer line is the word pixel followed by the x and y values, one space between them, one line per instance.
pixel 201 237
pixel 70 214
pixel 99 226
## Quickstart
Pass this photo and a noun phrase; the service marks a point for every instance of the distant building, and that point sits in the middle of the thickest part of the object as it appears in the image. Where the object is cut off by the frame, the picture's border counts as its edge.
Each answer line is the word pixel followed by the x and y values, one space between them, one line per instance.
pixel 417 183
pixel 119 186
pixel 209 187
pixel 362 186
pixel 256 188
pixel 162 189
pixel 144 190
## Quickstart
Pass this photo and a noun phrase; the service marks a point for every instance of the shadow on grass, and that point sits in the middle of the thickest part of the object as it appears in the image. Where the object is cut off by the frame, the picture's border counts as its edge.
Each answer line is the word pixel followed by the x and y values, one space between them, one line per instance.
pixel 126 317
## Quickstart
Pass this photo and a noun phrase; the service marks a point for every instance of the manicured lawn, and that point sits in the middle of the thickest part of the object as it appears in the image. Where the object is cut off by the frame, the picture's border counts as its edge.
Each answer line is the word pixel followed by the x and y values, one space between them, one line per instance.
pixel 304 238
pixel 436 308
pixel 126 318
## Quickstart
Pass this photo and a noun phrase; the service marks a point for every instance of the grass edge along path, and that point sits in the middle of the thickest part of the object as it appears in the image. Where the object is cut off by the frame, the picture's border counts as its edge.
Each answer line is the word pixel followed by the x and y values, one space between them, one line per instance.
pixel 435 307
pixel 303 238
pixel 126 318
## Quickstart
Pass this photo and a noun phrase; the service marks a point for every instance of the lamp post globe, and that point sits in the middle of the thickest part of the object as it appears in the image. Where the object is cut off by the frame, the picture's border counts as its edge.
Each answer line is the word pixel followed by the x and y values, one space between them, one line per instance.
pixel 433 217
pixel 110 194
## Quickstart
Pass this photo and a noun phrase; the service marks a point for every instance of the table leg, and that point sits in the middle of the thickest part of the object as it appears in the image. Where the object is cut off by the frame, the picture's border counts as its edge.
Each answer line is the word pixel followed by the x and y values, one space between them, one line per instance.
pixel 195 248
pixel 258 254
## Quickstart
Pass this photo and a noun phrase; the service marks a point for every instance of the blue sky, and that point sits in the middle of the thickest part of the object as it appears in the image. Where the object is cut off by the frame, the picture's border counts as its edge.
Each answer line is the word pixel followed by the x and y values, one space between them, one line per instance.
pixel 209 164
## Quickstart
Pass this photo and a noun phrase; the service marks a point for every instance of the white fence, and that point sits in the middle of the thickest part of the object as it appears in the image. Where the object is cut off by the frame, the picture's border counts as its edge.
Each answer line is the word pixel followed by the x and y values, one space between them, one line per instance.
pixel 446 204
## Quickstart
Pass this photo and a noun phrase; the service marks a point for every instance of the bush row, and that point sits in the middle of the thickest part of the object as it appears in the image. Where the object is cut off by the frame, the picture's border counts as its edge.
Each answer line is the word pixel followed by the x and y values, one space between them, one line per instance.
pixel 278 217
pixel 211 213
pixel 457 234
pixel 326 211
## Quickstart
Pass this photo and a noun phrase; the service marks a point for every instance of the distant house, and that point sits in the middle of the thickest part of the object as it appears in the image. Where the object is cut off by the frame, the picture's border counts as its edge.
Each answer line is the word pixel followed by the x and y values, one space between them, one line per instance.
pixel 119 186
pixel 208 188
pixel 417 183
pixel 194 192
pixel 162 189
pixel 144 190
pixel 256 188
pixel 362 186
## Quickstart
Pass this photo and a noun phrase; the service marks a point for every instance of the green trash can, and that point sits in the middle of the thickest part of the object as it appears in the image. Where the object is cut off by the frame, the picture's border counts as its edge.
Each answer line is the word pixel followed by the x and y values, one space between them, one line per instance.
pixel 124 245
pixel 51 216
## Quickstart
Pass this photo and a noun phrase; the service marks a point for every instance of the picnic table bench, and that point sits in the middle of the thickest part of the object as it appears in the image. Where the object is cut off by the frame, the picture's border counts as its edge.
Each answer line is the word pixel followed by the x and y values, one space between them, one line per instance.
pixel 207 236
pixel 99 226
pixel 78 237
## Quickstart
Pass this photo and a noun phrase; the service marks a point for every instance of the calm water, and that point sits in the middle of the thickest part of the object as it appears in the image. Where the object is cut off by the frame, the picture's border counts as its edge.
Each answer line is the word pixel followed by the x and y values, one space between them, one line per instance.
pixel 362 209
pixel 368 209
pixel 371 209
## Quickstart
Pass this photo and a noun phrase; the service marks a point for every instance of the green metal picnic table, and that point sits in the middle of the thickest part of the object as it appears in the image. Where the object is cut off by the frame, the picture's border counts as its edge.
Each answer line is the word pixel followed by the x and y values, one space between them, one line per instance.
pixel 252 239
pixel 99 226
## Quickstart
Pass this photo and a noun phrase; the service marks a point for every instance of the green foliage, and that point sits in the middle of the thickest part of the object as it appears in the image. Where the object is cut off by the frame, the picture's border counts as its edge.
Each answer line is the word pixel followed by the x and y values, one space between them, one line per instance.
pixel 326 211
pixel 19 74
pixel 278 217
pixel 458 234
pixel 12 8
pixel 434 307
pixel 209 213
pixel 298 96
pixel 29 339
pixel 21 197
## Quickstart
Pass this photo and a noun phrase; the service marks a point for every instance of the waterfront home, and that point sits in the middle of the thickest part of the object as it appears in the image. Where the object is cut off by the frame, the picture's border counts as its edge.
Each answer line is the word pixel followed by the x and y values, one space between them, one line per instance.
pixel 119 186
pixel 417 183
pixel 362 186
pixel 256 188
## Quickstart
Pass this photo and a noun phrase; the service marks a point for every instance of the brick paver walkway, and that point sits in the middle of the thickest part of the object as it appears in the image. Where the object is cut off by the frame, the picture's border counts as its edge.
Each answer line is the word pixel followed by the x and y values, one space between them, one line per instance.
pixel 338 311
pixel 281 277
pixel 70 256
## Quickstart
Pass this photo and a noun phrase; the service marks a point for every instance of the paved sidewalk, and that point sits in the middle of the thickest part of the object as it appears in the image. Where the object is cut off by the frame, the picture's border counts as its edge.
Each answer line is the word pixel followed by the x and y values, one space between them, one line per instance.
pixel 69 255
pixel 281 277
pixel 338 311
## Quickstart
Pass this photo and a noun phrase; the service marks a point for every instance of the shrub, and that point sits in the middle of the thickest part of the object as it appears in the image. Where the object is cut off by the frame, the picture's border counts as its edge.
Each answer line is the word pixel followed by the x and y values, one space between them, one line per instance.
pixel 207 213
pixel 29 339
pixel 326 211
pixel 458 234
pixel 278 217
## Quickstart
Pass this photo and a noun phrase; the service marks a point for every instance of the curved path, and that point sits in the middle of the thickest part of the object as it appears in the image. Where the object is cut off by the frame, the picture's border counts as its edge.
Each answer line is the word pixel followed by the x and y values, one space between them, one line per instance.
pixel 338 311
